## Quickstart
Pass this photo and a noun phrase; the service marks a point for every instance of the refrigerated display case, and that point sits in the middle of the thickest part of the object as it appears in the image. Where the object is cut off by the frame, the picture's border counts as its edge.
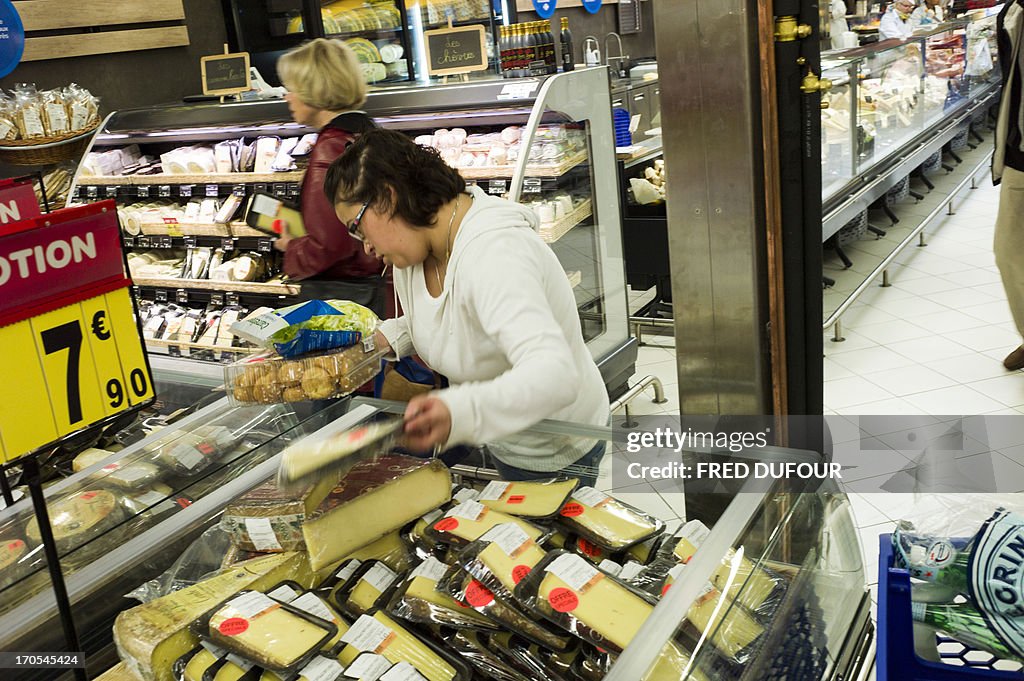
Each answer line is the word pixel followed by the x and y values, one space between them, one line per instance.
pixel 544 142
pixel 894 103
pixel 776 589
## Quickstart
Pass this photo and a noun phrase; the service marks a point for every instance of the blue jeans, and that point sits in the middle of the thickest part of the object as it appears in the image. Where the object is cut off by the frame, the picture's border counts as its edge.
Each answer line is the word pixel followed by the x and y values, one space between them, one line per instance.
pixel 585 468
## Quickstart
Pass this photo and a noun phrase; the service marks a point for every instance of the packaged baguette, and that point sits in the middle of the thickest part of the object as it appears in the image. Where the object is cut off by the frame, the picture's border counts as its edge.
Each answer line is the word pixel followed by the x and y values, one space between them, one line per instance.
pixel 606 521
pixel 28 112
pixel 419 600
pixel 528 499
pixel 464 588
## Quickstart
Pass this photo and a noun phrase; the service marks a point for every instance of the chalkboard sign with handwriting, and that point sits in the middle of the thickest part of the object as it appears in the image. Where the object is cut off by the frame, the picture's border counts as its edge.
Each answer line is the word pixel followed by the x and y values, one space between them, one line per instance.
pixel 226 74
pixel 456 50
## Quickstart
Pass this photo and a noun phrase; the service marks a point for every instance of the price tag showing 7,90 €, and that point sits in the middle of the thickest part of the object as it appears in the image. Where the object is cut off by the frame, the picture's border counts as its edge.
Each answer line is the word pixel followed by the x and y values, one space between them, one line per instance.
pixel 72 353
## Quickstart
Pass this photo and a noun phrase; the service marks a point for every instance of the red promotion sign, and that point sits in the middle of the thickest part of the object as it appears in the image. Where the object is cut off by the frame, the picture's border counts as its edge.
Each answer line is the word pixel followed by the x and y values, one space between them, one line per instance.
pixel 17 203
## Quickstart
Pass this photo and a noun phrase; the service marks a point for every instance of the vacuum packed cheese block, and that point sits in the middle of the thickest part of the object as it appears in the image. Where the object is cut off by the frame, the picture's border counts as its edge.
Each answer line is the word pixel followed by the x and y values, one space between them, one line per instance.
pixel 88 457
pixel 468 521
pixel 607 522
pixel 311 603
pixel 199 664
pixel 79 517
pixel 532 499
pixel 419 600
pixel 502 558
pixel 235 670
pixel 732 636
pixel 389 549
pixel 260 629
pixel 151 636
pixel 374 498
pixel 381 634
pixel 269 519
pixel 374 583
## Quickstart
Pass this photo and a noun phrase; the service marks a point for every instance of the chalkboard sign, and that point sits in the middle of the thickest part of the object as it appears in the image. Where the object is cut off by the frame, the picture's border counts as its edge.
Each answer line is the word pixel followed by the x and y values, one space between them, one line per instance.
pixel 456 50
pixel 226 74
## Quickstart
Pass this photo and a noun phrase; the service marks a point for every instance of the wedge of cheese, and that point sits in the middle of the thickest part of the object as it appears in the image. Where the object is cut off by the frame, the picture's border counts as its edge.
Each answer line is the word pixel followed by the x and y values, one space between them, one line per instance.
pixel 381 634
pixel 419 600
pixel 316 606
pixel 198 664
pixel 606 521
pixel 468 521
pixel 389 549
pixel 500 562
pixel 261 629
pixel 374 498
pixel 733 629
pixel 540 499
pixel 267 518
pixel 369 588
pixel 151 636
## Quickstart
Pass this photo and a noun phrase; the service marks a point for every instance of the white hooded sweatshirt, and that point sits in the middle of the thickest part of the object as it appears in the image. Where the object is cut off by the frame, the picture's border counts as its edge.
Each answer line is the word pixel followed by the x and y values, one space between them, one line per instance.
pixel 506 333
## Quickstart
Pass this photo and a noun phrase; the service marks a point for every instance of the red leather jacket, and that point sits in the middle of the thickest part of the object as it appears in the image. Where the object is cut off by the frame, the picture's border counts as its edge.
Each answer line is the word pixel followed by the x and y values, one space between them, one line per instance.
pixel 327 251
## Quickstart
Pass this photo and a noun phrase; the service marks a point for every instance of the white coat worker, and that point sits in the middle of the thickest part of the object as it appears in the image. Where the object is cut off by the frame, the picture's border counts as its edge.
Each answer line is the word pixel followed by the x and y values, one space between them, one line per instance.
pixel 837 24
pixel 897 21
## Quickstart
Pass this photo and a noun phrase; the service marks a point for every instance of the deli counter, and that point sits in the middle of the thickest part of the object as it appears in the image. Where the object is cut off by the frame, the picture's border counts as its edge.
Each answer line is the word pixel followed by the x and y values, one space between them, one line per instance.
pixel 894 103
pixel 775 588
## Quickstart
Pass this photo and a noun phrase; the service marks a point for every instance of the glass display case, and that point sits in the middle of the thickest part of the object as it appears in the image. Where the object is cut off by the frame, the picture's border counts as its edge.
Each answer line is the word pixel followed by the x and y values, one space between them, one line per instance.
pixel 543 142
pixel 891 96
pixel 774 586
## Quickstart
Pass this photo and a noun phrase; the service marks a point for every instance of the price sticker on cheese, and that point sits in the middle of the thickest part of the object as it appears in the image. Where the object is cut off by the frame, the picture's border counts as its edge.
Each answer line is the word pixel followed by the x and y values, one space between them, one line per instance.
pixel 591 497
pixel 369 635
pixel 72 348
pixel 495 490
pixel 509 537
pixel 575 571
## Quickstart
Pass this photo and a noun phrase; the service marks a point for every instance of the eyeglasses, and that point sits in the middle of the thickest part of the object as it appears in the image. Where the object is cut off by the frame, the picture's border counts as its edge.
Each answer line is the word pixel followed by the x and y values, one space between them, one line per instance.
pixel 353 227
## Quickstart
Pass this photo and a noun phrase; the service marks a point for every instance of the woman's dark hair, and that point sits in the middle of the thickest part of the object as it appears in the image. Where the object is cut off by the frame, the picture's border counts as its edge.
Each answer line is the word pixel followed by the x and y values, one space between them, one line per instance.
pixel 380 161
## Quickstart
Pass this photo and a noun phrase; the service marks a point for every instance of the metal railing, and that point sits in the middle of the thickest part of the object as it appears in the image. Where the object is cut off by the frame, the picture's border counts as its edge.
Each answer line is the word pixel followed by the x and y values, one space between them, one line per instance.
pixel 918 232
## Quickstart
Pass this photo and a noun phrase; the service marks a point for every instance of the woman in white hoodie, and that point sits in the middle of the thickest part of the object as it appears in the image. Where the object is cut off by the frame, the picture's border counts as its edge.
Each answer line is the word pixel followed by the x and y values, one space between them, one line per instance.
pixel 486 304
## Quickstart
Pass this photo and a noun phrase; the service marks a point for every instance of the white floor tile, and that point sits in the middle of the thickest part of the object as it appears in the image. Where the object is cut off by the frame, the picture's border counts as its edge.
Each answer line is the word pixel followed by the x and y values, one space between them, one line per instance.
pixel 910 380
pixel 862 315
pixel 968 368
pixel 870 360
pixel 845 392
pixel 959 298
pixel 892 332
pixel 958 399
pixel 929 349
pixel 948 320
pixel 896 406
pixel 833 370
pixel 1008 389
pixel 996 312
pixel 924 286
pixel 853 341
pixel 974 277
pixel 989 337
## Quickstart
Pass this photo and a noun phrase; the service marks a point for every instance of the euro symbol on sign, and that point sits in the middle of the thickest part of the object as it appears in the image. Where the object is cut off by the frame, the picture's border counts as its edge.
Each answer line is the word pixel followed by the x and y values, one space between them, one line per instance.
pixel 99 323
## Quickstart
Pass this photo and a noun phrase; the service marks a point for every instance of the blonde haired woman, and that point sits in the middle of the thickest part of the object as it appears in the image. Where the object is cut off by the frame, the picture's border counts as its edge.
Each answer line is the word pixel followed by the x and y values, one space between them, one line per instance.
pixel 325 91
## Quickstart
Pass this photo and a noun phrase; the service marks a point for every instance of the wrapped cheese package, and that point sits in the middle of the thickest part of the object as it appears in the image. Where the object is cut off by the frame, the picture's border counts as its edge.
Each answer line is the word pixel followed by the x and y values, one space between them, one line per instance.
pixel 468 521
pixel 470 645
pixel 313 604
pixel 606 521
pixel 381 635
pixel 567 590
pixel 419 600
pixel 501 558
pixel 464 588
pixel 274 635
pixel 369 589
pixel 528 499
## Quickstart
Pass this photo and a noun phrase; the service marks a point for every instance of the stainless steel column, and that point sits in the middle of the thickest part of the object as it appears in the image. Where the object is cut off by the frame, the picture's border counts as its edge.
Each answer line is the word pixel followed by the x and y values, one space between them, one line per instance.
pixel 711 119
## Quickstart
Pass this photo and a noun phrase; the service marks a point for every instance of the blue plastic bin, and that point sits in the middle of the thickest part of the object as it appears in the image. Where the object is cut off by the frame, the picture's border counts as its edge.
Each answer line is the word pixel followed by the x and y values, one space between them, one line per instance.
pixel 896 660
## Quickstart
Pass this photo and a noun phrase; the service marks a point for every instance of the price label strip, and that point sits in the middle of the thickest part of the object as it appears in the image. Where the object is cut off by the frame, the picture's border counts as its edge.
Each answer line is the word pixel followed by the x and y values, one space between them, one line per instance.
pixel 73 351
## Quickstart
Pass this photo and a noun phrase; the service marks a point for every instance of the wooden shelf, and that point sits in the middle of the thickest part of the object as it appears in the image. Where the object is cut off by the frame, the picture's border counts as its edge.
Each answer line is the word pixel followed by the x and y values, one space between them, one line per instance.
pixel 505 172
pixel 556 230
pixel 210 178
pixel 208 285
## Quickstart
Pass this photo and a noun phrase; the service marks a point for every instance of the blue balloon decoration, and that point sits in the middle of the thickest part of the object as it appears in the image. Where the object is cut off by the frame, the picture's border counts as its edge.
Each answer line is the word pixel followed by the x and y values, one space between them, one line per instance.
pixel 545 8
pixel 12 37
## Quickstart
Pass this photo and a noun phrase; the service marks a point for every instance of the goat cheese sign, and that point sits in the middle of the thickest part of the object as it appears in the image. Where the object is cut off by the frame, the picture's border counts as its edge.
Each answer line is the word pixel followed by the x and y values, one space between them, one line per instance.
pixel 72 351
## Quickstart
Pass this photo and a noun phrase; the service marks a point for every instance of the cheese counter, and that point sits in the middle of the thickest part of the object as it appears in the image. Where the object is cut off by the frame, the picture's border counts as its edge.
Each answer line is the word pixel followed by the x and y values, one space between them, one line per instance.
pixel 401 565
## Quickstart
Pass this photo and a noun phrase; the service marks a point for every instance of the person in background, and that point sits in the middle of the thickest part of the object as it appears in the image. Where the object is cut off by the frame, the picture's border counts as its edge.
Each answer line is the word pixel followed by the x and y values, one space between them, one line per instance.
pixel 930 12
pixel 837 23
pixel 1008 169
pixel 897 22
pixel 325 90
pixel 486 304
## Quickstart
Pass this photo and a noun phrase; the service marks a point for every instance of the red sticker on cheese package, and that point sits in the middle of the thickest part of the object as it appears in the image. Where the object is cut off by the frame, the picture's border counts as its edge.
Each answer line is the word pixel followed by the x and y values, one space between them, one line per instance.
pixel 446 524
pixel 233 626
pixel 478 595
pixel 520 572
pixel 572 510
pixel 563 600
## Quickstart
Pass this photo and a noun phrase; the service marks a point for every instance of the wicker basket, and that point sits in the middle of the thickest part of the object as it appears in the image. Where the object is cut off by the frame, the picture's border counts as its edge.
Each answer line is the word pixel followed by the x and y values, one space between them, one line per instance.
pixel 43 151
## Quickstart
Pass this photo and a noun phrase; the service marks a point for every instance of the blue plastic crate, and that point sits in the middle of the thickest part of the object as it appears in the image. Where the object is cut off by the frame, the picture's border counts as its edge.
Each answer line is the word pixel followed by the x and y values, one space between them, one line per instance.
pixel 896 660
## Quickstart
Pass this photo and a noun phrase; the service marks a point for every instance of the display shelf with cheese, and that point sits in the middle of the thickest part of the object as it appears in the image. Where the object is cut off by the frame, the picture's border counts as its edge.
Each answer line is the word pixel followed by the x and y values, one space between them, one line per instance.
pixel 267 288
pixel 896 102
pixel 782 565
pixel 196 179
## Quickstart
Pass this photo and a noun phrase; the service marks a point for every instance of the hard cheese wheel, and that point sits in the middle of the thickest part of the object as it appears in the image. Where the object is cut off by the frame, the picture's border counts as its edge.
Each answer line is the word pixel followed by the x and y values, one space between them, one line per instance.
pixel 79 517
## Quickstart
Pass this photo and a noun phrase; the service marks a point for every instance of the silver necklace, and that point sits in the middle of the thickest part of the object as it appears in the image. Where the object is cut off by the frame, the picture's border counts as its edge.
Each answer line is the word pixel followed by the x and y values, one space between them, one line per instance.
pixel 448 247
